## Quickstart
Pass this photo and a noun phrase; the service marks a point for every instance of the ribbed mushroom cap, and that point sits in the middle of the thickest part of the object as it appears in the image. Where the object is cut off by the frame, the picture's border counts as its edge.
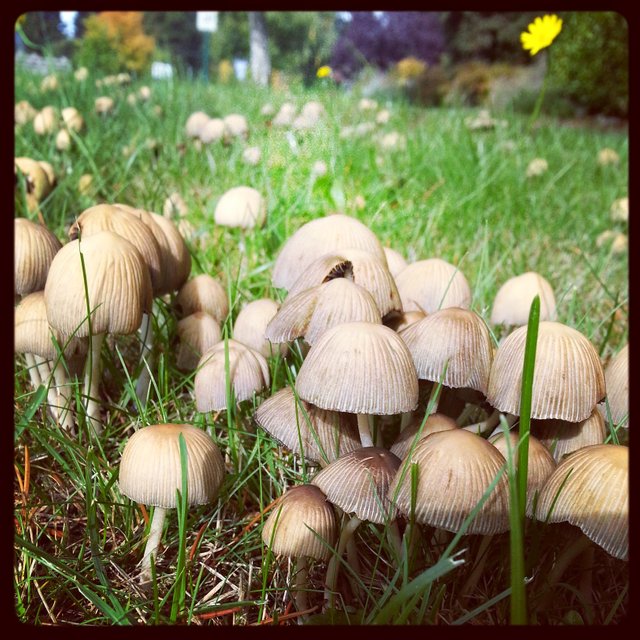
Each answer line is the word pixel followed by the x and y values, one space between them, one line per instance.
pixel 150 470
pixel 359 367
pixel 251 324
pixel 358 482
pixel 248 371
pixel 312 311
pixel 38 182
pixel 404 319
pixel 51 174
pixel 395 261
pixel 212 130
pixel 72 119
pixel 177 256
pixel 568 380
pixel 457 336
pixel 513 300
pixel 45 121
pixel 616 377
pixel 540 462
pixel 34 249
pixel 562 437
pixel 302 427
pixel 318 237
pixel 32 333
pixel 302 524
pixel 364 268
pixel 455 468
pixel 435 422
pixel 429 285
pixel 107 217
pixel 236 125
pixel 195 122
pixel 197 333
pixel 203 293
pixel 118 286
pixel 241 207
pixel 590 488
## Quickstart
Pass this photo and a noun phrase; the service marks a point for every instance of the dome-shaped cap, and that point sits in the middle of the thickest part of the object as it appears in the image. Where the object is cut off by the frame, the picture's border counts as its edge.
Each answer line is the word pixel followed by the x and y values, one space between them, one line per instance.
pixel 302 524
pixel 197 332
pixel 248 370
pixel 358 482
pixel 359 367
pixel 176 255
pixel 455 336
pixel 364 268
pixel 568 380
pixel 34 249
pixel 513 300
pixel 150 469
pixel 195 122
pixel 39 183
pixel 241 207
pixel 118 286
pixel 203 293
pixel 616 377
pixel 429 285
pixel 311 312
pixel 395 261
pixel 318 237
pixel 455 468
pixel 435 422
pixel 251 324
pixel 305 429
pixel 236 125
pixel 590 489
pixel 562 437
pixel 212 131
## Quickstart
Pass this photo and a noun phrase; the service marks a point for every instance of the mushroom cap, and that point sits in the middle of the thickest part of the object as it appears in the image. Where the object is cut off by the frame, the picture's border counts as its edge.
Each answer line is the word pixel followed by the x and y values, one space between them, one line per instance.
pixel 32 333
pixel 175 252
pixel 203 293
pixel 45 121
pixel 435 422
pixel 38 181
pixel 364 268
pixel 118 286
pixel 63 140
pixel 616 377
pixel 212 130
pixel 358 482
pixel 197 332
pixel 241 207
pixel 195 123
pixel 359 367
pixel 455 468
pixel 115 218
pixel 285 115
pixel 512 303
pixel 51 174
pixel 562 437
pixel 395 261
pixel 251 323
pixel 590 488
pixel 72 119
pixel 404 319
pixel 311 312
pixel 236 125
pixel 568 380
pixel 248 370
pixel 306 429
pixel 455 336
pixel 24 112
pixel 104 104
pixel 540 466
pixel 318 237
pixel 429 285
pixel 150 469
pixel 34 249
pixel 301 520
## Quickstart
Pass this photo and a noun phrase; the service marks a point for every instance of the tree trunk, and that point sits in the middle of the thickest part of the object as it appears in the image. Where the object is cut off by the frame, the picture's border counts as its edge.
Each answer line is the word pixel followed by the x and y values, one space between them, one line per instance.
pixel 260 63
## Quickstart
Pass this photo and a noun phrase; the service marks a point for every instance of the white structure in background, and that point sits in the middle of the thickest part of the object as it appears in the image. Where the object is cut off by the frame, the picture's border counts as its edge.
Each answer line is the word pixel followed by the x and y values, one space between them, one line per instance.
pixel 161 70
pixel 207 21
pixel 240 68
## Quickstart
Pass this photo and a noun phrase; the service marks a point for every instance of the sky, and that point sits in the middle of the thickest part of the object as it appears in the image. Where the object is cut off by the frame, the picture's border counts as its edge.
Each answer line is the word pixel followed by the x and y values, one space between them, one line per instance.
pixel 67 18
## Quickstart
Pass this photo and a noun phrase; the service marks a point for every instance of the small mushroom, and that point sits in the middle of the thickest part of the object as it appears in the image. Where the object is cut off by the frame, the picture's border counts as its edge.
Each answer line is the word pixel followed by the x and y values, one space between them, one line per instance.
pixel 241 207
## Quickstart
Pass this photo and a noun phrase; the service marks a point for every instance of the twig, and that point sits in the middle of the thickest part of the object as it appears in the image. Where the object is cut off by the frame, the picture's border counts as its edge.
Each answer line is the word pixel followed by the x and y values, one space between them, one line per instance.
pixel 287 616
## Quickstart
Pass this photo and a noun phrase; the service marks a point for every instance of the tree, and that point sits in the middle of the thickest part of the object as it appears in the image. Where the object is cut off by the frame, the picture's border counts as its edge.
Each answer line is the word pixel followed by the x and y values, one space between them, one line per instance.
pixel 44 29
pixel 258 48
pixel 175 33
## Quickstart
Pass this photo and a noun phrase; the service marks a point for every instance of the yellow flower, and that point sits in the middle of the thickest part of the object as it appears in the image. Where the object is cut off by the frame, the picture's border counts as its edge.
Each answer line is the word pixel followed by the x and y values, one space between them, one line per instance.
pixel 324 71
pixel 541 33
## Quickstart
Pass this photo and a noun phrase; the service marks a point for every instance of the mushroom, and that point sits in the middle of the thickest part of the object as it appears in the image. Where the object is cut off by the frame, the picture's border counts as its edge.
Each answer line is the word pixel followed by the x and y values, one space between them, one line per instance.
pixel 103 105
pixel 616 377
pixel 513 301
pixel 241 207
pixel 45 121
pixel 118 292
pixel 252 155
pixel 203 293
pixel 63 140
pixel 285 115
pixel 433 424
pixel 35 247
pixel 302 525
pixel 151 474
pixel 212 130
pixel 195 123
pixel 24 112
pixel 38 184
pixel 197 333
pixel 251 323
pixel 395 261
pixel 174 205
pixel 72 119
pixel 236 126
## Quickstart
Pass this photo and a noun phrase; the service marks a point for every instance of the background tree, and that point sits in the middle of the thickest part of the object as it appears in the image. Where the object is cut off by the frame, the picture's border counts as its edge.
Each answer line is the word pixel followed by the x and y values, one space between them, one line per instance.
pixel 259 48
pixel 45 29
pixel 176 35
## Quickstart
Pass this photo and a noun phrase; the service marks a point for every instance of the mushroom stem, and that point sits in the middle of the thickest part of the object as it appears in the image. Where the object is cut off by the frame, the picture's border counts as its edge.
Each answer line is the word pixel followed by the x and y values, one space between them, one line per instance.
pixel 363 428
pixel 32 367
pixel 480 428
pixel 299 587
pixel 395 539
pixel 434 398
pixel 45 376
pixel 65 417
pixel 92 383
pixel 334 564
pixel 405 421
pixel 481 559
pixel 155 533
pixel 146 356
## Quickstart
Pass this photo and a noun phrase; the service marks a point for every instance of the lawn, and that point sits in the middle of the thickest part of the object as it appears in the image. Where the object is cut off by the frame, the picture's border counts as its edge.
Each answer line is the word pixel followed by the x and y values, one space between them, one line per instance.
pixel 446 191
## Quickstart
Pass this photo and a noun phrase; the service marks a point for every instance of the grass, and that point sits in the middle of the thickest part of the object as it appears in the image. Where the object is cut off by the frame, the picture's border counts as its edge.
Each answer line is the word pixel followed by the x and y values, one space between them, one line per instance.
pixel 452 193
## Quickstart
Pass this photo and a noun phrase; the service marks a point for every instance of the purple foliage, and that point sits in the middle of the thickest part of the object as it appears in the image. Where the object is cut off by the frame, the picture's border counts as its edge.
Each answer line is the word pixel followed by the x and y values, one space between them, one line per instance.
pixel 381 42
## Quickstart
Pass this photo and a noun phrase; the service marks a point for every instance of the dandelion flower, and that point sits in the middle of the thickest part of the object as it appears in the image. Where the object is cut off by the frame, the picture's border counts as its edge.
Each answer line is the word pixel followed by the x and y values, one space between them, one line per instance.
pixel 537 167
pixel 324 71
pixel 540 33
